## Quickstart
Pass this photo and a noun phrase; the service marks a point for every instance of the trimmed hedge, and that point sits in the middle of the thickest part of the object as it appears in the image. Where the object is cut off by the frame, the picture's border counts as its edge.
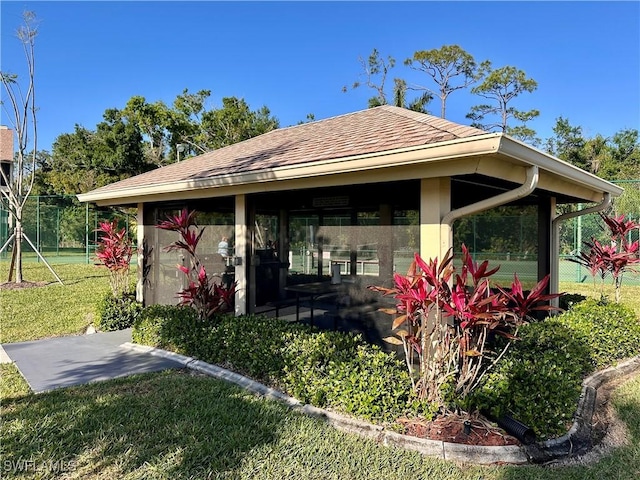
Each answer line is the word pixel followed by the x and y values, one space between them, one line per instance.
pixel 251 345
pixel 611 330
pixel 539 379
pixel 117 313
pixel 325 369
pixel 168 327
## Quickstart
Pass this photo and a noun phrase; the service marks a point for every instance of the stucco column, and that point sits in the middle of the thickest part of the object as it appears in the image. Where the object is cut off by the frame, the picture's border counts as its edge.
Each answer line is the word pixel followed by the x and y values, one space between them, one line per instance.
pixel 435 203
pixel 141 253
pixel 242 263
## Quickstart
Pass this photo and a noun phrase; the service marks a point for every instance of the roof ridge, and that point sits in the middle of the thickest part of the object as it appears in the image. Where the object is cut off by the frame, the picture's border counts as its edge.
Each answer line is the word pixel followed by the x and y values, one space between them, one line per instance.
pixel 427 118
pixel 321 120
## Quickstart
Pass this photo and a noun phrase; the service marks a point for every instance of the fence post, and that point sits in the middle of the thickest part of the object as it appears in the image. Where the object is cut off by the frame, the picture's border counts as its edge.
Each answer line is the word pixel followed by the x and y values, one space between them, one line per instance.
pixel 86 232
pixel 57 230
pixel 38 226
pixel 579 245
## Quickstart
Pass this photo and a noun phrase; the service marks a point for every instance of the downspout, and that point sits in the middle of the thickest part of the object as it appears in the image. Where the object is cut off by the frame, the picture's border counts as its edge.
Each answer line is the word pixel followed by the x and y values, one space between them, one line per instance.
pixel 555 243
pixel 529 185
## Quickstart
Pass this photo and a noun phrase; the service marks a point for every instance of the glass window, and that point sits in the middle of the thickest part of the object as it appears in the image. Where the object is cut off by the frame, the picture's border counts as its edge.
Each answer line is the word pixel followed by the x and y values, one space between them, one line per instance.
pixel 406 238
pixel 167 280
pixel 303 229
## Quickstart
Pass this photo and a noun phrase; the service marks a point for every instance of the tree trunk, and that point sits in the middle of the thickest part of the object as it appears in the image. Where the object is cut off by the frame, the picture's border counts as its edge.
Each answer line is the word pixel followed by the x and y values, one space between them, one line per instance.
pixel 18 250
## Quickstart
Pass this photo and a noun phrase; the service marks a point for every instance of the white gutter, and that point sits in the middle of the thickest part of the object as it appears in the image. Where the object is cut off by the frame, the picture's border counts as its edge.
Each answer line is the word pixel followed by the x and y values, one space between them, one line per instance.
pixel 529 185
pixel 555 242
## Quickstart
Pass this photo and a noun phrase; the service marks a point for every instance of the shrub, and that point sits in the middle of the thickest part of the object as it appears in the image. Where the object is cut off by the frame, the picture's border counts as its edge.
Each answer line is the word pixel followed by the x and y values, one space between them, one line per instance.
pixel 372 384
pixel 616 258
pixel 117 313
pixel 322 368
pixel 114 251
pixel 611 330
pixel 307 359
pixel 338 370
pixel 171 327
pixel 445 318
pixel 539 379
pixel 202 293
pixel 252 345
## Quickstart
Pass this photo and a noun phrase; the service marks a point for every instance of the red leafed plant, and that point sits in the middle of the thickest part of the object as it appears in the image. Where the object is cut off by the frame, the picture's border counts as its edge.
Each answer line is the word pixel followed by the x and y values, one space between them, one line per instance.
pixel 618 257
pixel 444 321
pixel 114 251
pixel 202 293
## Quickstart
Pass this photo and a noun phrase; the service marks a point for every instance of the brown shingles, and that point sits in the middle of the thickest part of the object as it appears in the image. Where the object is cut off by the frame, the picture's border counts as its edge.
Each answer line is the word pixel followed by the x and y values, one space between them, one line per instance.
pixel 368 131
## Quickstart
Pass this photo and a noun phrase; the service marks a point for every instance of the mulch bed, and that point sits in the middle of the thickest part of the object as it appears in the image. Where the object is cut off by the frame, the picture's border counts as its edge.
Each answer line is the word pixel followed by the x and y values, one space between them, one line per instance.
pixel 451 428
pixel 21 285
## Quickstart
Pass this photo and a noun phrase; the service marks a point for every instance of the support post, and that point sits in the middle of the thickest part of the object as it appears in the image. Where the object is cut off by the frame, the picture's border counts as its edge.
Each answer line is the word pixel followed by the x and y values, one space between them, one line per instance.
pixel 241 260
pixel 435 203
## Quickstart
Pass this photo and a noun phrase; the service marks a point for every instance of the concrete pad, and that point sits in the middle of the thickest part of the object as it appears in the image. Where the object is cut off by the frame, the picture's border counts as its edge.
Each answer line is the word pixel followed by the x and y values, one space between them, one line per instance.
pixel 4 358
pixel 65 361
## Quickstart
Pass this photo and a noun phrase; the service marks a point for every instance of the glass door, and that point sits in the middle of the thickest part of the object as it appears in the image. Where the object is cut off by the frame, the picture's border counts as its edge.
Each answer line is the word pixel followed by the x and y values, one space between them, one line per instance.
pixel 303 245
pixel 266 258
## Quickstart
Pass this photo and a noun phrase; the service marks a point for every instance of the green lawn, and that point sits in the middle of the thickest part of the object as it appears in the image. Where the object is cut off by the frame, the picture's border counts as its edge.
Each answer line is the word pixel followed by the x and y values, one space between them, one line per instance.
pixel 179 425
pixel 176 425
pixel 53 310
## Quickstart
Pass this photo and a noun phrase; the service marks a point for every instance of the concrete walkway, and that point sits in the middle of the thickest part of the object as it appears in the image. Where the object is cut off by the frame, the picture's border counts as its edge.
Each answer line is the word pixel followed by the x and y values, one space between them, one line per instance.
pixel 75 360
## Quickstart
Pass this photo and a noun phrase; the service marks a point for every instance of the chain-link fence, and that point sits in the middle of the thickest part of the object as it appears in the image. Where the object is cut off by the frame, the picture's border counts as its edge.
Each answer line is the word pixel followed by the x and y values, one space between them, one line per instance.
pixel 511 241
pixel 61 228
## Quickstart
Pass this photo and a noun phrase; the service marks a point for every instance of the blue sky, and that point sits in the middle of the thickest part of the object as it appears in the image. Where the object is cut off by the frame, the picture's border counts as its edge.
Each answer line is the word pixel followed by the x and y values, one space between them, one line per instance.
pixel 295 57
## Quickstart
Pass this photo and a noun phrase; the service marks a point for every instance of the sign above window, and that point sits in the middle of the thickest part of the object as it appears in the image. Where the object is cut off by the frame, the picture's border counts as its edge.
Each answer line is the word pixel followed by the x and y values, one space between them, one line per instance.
pixel 325 202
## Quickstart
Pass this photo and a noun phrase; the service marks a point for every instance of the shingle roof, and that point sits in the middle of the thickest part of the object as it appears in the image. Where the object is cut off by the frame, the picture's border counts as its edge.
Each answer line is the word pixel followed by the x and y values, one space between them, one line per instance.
pixel 368 131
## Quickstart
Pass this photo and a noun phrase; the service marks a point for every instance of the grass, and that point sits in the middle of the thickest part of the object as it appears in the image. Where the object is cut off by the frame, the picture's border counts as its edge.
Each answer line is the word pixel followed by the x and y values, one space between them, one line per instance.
pixel 179 425
pixel 176 425
pixel 630 294
pixel 52 310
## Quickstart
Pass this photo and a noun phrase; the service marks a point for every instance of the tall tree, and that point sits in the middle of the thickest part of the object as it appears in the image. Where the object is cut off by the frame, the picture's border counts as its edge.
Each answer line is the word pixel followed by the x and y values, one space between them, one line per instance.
pixel 21 112
pixel 375 70
pixel 625 155
pixel 450 67
pixel 501 86
pixel 153 120
pixel 567 143
pixel 613 158
pixel 185 124
pixel 73 164
pixel 85 159
pixel 119 147
pixel 418 104
pixel 235 122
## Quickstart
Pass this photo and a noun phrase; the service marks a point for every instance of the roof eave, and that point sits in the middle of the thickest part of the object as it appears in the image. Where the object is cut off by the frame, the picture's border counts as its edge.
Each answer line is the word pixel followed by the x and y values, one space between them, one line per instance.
pixel 489 144
pixel 516 149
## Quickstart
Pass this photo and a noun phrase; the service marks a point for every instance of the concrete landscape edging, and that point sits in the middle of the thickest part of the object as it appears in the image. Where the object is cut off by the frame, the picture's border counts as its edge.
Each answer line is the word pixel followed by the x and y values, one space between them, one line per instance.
pixel 576 441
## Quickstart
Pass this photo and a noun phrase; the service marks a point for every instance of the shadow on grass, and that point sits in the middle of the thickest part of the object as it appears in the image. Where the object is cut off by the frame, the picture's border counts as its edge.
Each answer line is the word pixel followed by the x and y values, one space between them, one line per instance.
pixel 177 423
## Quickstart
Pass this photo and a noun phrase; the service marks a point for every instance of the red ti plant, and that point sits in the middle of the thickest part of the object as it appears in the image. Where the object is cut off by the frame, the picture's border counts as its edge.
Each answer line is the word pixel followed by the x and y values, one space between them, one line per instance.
pixel 202 293
pixel 114 251
pixel 445 321
pixel 618 257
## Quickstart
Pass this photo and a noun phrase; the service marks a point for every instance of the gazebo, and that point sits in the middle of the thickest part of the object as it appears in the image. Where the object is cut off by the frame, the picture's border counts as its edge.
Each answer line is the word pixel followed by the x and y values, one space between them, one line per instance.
pixel 354 195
